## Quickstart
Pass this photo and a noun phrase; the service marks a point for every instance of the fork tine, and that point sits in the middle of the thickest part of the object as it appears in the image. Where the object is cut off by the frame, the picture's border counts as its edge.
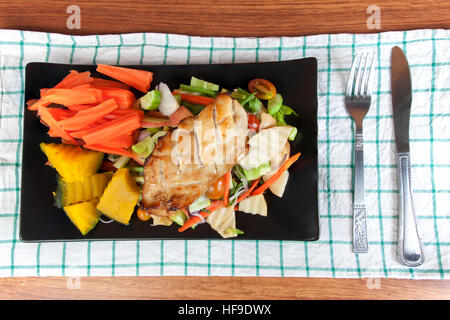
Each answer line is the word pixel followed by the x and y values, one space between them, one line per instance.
pixel 351 78
pixel 367 75
pixel 359 76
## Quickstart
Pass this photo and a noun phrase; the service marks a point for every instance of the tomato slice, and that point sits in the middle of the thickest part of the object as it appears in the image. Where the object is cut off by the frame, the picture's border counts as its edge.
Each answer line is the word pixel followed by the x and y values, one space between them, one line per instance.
pixel 264 88
pixel 217 190
pixel 143 215
pixel 253 122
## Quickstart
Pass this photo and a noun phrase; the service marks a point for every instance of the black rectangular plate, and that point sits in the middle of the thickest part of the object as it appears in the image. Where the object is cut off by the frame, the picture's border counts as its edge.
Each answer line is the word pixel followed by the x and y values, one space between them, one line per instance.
pixel 292 217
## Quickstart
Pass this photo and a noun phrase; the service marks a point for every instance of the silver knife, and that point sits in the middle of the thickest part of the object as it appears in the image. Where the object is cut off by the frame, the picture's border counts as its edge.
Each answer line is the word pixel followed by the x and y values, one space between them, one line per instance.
pixel 409 246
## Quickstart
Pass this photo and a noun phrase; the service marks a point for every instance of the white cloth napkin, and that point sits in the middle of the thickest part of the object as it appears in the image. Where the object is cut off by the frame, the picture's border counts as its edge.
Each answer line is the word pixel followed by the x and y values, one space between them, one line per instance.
pixel 428 52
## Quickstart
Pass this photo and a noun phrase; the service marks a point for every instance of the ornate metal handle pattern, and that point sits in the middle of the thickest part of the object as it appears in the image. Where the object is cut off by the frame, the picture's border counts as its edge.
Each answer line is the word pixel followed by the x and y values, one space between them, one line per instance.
pixel 360 243
pixel 409 247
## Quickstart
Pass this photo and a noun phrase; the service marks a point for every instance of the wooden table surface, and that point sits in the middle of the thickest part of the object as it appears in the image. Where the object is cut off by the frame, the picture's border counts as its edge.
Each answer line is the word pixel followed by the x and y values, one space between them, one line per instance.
pixel 223 18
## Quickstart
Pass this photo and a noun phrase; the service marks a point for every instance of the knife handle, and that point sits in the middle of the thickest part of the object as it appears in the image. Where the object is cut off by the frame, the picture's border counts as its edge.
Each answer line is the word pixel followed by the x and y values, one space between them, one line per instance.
pixel 409 247
pixel 360 243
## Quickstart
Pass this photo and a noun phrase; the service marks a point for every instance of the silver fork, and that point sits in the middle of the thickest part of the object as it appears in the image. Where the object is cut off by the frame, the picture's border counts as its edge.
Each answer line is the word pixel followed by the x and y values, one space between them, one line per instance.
pixel 357 101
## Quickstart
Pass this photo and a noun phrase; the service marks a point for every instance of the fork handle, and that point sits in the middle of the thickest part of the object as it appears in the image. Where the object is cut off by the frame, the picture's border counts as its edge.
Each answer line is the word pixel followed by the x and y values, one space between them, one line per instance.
pixel 360 243
pixel 409 247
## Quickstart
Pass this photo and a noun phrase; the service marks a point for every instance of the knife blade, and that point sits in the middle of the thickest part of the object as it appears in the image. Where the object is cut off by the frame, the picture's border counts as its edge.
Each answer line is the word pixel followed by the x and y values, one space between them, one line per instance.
pixel 409 245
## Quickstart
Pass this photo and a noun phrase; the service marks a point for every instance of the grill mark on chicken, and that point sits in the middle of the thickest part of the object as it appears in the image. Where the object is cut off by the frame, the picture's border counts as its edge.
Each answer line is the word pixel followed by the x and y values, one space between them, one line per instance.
pixel 234 111
pixel 216 135
pixel 161 175
pixel 240 120
pixel 197 147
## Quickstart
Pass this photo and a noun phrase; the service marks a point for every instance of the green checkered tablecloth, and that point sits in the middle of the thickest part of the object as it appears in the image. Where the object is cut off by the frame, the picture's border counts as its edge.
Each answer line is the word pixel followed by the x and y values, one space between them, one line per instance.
pixel 428 52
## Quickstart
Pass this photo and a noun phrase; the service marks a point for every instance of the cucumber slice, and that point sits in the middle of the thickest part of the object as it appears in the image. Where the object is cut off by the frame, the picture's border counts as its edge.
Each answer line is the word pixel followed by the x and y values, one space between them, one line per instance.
pixel 210 86
pixel 293 133
pixel 274 104
pixel 195 82
pixel 178 217
pixel 151 100
pixel 145 147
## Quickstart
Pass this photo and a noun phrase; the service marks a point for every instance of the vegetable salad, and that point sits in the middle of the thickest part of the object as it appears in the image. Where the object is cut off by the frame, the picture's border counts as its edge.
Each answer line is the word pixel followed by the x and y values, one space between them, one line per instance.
pixel 103 120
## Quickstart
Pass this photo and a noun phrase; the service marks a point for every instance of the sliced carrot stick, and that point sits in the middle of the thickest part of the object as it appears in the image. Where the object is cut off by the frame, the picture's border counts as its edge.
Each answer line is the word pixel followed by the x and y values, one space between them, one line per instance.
pixel 125 141
pixel 124 98
pixel 275 177
pixel 77 134
pixel 197 99
pixel 69 97
pixel 31 102
pixel 195 219
pixel 99 82
pixel 34 106
pixel 83 86
pixel 57 113
pixel 80 133
pixel 52 133
pixel 120 112
pixel 247 193
pixel 112 129
pixel 138 79
pixel 189 223
pixel 73 79
pixel 106 149
pixel 89 116
pixel 74 142
pixel 79 107
pixel 60 113
pixel 43 91
pixel 47 117
pixel 227 188
pixel 117 113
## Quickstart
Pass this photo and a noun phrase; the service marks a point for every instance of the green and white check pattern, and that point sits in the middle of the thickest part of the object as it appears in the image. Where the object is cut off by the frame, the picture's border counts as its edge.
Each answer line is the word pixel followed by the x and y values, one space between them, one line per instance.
pixel 428 52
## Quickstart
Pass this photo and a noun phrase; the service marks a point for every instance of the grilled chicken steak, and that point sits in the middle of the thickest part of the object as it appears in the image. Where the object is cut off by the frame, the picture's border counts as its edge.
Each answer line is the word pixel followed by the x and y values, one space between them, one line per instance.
pixel 192 157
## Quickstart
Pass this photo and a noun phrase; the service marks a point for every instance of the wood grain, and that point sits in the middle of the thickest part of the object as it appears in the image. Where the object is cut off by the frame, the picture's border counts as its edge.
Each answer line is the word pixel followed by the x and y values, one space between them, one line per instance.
pixel 218 288
pixel 222 18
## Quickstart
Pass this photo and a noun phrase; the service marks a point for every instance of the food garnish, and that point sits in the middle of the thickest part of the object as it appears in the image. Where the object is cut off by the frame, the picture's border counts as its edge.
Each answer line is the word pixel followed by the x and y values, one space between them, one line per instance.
pixel 124 152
